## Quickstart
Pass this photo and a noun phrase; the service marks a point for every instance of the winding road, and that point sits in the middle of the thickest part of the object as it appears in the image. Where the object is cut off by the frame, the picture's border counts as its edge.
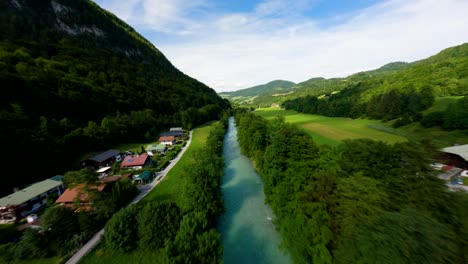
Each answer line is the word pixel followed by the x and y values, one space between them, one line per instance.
pixel 144 190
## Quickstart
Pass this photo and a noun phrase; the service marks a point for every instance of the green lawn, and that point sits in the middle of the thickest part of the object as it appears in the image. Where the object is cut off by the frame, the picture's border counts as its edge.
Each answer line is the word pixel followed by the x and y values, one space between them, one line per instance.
pixel 441 103
pixel 168 189
pixel 172 185
pixel 332 130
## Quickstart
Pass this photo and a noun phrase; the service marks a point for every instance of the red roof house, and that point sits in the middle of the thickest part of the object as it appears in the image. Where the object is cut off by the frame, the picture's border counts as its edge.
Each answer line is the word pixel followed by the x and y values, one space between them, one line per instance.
pixel 168 140
pixel 135 162
pixel 78 194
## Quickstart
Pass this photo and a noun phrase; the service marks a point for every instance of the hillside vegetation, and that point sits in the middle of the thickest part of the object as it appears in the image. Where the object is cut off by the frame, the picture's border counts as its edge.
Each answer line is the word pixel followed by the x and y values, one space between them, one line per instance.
pixel 362 201
pixel 76 79
pixel 444 74
pixel 248 95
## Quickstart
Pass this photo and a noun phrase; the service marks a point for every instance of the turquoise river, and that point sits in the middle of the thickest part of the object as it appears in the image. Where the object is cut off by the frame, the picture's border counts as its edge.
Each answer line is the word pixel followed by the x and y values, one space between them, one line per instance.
pixel 246 227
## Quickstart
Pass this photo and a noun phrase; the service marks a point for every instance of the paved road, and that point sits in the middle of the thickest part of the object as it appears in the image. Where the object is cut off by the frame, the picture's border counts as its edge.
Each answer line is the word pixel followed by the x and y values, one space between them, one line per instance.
pixel 144 190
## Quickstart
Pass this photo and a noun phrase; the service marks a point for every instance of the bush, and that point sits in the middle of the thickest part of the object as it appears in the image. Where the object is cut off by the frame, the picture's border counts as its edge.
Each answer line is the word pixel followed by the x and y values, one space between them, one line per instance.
pixel 433 119
pixel 121 231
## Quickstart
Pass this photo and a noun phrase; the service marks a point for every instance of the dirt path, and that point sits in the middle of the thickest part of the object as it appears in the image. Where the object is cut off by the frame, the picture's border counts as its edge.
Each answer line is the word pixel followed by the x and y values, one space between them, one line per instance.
pixel 144 190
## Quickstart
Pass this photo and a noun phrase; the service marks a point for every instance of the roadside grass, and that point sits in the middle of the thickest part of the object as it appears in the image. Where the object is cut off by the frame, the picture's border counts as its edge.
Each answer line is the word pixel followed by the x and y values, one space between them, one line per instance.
pixel 99 256
pixel 169 189
pixel 54 260
pixel 172 185
pixel 441 103
pixel 333 130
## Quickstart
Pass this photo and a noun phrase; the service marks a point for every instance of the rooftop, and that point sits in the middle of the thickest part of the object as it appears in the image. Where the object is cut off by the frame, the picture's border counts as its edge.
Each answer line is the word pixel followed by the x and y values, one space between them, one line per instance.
pixel 175 129
pixel 158 147
pixel 461 151
pixel 166 138
pixel 70 194
pixel 131 161
pixel 105 155
pixel 29 192
pixel 171 133
pixel 103 169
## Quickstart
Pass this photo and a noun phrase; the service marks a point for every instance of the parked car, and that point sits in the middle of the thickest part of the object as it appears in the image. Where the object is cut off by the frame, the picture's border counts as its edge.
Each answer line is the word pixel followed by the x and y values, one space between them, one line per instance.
pixel 437 166
pixel 464 173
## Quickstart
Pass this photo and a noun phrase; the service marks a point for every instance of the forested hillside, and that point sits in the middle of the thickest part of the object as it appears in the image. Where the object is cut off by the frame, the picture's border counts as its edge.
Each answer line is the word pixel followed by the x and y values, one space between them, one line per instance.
pixel 443 74
pixel 363 201
pixel 76 78
pixel 248 95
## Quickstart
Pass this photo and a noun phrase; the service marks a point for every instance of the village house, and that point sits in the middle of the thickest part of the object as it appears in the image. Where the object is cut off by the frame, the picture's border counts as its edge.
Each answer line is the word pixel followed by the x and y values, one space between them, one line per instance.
pixel 157 149
pixel 135 162
pixel 167 140
pixel 28 200
pixel 77 198
pixel 456 156
pixel 144 177
pixel 172 133
pixel 103 159
pixel 104 171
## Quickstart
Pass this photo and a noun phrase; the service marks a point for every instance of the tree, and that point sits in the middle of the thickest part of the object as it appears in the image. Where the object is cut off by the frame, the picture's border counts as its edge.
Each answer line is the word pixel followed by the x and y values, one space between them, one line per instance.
pixel 157 222
pixel 409 236
pixel 195 242
pixel 60 224
pixel 121 232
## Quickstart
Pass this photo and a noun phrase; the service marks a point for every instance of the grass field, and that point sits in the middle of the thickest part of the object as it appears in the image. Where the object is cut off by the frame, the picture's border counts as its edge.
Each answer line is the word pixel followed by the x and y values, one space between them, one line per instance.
pixel 441 103
pixel 332 130
pixel 168 189
pixel 172 185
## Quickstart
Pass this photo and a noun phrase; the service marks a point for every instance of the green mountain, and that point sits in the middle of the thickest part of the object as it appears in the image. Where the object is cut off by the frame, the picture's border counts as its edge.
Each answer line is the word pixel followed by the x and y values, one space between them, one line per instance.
pixel 247 95
pixel 445 73
pixel 75 79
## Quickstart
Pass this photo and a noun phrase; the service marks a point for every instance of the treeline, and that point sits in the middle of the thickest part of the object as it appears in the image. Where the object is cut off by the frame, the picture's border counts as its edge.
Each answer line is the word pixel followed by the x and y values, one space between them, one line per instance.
pixel 63 229
pixel 184 234
pixel 77 79
pixel 361 202
pixel 406 106
pixel 454 117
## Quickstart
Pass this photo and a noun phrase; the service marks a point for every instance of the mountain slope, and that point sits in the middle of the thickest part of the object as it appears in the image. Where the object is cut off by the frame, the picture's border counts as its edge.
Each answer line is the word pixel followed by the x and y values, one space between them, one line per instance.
pixel 445 74
pixel 76 78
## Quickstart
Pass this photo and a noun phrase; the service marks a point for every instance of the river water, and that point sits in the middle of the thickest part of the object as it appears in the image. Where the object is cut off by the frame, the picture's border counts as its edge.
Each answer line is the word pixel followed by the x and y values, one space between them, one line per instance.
pixel 246 229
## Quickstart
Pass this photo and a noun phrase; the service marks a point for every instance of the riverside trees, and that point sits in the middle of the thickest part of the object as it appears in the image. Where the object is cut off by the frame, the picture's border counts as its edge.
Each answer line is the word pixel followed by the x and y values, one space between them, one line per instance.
pixel 362 201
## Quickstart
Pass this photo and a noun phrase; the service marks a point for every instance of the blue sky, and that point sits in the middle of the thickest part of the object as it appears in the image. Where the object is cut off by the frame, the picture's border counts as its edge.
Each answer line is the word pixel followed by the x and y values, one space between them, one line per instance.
pixel 231 44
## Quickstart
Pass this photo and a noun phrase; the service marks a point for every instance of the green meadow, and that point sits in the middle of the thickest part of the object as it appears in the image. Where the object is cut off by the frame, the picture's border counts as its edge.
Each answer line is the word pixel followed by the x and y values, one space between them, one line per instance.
pixel 172 185
pixel 441 103
pixel 333 130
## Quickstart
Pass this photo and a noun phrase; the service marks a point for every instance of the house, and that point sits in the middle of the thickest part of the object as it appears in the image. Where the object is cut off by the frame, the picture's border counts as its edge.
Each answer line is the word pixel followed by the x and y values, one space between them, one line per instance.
pixel 144 177
pixel 111 179
pixel 77 197
pixel 127 176
pixel 171 133
pixel 456 156
pixel 167 140
pixel 28 200
pixel 135 162
pixel 175 129
pixel 103 159
pixel 159 148
pixel 104 171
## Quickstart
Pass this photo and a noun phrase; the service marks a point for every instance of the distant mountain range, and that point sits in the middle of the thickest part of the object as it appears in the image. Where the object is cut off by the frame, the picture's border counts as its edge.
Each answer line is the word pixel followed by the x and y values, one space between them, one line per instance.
pixel 445 73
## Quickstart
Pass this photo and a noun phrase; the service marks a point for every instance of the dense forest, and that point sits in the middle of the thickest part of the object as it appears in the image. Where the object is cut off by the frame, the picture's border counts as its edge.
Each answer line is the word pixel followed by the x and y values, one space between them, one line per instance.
pixel 360 202
pixel 76 79
pixel 445 73
pixel 388 106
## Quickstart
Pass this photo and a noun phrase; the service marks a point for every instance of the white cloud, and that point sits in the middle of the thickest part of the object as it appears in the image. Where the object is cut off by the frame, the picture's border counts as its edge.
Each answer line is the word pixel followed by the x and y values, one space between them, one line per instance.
pixel 228 51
